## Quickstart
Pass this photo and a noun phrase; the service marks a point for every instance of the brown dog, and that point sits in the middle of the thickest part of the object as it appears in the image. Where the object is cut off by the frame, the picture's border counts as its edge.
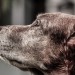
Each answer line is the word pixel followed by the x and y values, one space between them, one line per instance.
pixel 45 47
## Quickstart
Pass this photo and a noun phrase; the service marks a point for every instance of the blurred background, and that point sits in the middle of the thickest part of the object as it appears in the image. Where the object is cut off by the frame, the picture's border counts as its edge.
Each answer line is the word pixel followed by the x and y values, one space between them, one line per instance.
pixel 24 12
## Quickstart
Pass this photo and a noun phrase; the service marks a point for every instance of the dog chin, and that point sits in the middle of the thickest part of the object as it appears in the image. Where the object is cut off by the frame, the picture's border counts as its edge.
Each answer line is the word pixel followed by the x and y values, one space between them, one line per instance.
pixel 33 70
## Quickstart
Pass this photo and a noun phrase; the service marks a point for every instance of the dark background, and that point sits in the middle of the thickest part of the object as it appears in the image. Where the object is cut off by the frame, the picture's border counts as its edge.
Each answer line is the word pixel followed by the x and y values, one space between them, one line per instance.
pixel 27 10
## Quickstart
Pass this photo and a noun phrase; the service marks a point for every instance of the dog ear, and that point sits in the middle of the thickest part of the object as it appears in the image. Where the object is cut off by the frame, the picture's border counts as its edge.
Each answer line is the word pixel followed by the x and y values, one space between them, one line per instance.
pixel 71 42
pixel 71 37
pixel 70 49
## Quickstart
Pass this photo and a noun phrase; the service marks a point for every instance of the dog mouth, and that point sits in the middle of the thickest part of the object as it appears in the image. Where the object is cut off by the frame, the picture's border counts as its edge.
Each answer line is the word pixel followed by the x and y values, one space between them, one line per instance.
pixel 19 64
pixel 23 67
pixel 14 62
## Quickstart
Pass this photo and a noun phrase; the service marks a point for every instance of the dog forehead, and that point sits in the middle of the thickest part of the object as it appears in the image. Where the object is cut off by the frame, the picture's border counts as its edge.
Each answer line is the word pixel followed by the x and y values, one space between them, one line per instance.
pixel 49 16
pixel 55 15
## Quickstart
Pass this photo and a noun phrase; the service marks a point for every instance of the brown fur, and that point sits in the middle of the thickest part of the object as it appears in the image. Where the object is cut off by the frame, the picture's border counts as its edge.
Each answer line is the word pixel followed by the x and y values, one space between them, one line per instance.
pixel 45 47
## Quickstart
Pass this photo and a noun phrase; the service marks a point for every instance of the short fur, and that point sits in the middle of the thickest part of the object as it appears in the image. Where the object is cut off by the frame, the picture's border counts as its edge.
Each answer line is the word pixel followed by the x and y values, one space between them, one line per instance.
pixel 45 47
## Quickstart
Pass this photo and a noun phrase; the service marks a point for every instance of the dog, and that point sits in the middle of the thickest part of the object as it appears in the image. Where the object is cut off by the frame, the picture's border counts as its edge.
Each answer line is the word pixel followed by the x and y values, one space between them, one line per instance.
pixel 45 47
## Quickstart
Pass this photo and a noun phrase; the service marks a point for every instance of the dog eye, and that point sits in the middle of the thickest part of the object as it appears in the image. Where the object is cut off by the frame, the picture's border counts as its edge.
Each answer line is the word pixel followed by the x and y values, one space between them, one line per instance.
pixel 37 23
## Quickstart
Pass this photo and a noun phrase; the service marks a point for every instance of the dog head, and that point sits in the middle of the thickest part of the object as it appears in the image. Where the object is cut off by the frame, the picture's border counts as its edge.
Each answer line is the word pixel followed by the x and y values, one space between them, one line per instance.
pixel 45 47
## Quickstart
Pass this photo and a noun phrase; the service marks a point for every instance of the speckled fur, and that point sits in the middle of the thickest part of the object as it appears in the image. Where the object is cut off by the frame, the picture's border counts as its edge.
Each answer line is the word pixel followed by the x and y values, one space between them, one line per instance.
pixel 45 47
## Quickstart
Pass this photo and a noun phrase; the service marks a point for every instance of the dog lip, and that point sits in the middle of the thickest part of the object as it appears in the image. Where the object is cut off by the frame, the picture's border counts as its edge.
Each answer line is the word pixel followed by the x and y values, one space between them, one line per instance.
pixel 20 64
pixel 15 62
